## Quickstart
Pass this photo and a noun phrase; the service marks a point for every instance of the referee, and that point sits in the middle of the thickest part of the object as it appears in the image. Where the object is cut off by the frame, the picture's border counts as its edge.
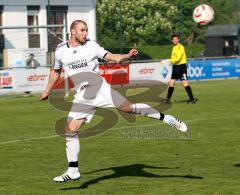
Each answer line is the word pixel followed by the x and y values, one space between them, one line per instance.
pixel 178 60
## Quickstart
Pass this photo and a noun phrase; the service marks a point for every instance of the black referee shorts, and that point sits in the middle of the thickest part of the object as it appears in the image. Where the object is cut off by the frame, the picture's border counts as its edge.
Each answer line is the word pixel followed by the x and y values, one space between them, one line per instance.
pixel 179 72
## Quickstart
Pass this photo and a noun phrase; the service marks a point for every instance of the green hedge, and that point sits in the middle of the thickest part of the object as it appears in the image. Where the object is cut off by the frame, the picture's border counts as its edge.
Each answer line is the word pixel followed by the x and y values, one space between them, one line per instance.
pixel 162 52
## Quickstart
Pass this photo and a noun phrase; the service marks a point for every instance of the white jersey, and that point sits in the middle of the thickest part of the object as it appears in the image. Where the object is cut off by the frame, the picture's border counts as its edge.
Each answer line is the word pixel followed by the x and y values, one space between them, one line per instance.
pixel 96 92
pixel 83 58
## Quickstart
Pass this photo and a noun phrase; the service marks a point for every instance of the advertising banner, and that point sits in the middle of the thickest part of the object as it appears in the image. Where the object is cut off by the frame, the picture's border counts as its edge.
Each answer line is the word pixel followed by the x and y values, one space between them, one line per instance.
pixel 23 80
pixel 115 74
pixel 6 81
pixel 155 71
pixel 213 69
pixel 34 80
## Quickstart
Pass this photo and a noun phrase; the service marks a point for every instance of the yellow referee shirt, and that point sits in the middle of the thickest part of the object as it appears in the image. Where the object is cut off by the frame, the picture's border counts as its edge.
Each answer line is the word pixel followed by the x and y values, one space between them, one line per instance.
pixel 178 55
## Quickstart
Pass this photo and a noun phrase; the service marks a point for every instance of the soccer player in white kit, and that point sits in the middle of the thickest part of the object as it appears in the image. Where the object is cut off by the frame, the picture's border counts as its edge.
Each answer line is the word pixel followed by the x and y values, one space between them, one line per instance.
pixel 77 56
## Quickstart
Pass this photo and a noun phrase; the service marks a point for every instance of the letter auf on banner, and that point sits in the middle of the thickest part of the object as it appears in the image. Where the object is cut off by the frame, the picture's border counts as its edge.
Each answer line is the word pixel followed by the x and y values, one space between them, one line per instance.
pixel 6 81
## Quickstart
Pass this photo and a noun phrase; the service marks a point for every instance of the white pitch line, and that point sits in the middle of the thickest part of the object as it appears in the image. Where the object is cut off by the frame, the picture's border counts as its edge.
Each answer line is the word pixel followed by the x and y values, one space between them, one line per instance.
pixel 118 128
pixel 29 139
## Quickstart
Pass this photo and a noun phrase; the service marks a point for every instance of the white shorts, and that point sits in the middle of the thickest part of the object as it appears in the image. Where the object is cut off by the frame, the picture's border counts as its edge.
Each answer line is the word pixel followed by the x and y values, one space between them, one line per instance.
pixel 84 107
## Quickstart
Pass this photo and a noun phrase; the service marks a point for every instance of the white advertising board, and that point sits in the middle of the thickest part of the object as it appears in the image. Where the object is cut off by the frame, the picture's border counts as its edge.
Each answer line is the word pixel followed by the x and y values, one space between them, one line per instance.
pixel 23 80
pixel 154 71
pixel 34 80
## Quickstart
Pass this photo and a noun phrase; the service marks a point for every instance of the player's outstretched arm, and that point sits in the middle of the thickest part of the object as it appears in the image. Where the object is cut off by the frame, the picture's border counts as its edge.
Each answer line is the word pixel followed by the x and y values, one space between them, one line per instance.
pixel 121 57
pixel 53 78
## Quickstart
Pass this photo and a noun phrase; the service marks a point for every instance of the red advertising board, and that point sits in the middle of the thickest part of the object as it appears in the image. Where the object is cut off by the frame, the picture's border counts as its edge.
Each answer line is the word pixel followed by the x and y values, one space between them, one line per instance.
pixel 6 80
pixel 115 74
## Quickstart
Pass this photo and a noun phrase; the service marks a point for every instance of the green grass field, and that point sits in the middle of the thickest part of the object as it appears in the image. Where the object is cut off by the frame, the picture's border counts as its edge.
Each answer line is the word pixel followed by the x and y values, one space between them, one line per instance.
pixel 205 162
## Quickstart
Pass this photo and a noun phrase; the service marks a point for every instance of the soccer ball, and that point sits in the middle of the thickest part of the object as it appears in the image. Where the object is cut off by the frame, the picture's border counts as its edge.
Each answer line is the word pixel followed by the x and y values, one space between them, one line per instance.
pixel 203 14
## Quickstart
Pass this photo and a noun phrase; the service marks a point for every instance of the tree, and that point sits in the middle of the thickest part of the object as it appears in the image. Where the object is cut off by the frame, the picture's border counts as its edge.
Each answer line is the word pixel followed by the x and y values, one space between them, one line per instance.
pixel 136 22
pixel 122 23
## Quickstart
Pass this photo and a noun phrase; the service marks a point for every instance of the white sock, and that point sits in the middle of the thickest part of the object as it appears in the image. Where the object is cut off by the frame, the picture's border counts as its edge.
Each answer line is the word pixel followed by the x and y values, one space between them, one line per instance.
pixel 148 111
pixel 73 169
pixel 72 149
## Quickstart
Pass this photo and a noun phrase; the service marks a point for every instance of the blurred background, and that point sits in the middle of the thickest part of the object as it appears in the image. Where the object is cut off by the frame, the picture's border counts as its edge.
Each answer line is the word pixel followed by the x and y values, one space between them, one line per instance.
pixel 31 30
pixel 121 24
pixel 148 25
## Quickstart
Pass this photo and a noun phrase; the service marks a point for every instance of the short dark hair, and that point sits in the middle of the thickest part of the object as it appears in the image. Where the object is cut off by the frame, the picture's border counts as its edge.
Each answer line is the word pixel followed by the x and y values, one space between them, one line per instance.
pixel 76 22
pixel 174 35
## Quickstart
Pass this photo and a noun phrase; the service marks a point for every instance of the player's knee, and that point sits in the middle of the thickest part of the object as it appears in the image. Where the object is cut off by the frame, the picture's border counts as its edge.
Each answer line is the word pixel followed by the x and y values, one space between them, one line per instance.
pixel 125 108
pixel 73 126
pixel 70 131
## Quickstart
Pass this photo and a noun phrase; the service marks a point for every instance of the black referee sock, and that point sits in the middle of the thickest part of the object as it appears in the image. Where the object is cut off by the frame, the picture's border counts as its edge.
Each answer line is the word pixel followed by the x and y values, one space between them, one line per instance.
pixel 189 92
pixel 170 92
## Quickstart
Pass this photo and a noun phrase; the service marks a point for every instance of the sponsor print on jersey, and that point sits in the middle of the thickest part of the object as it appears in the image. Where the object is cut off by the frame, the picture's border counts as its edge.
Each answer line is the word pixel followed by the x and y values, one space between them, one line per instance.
pixel 82 63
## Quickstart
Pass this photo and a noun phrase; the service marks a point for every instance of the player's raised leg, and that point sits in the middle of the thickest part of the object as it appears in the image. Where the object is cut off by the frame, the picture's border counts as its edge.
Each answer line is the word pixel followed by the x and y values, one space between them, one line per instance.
pixel 72 151
pixel 148 111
